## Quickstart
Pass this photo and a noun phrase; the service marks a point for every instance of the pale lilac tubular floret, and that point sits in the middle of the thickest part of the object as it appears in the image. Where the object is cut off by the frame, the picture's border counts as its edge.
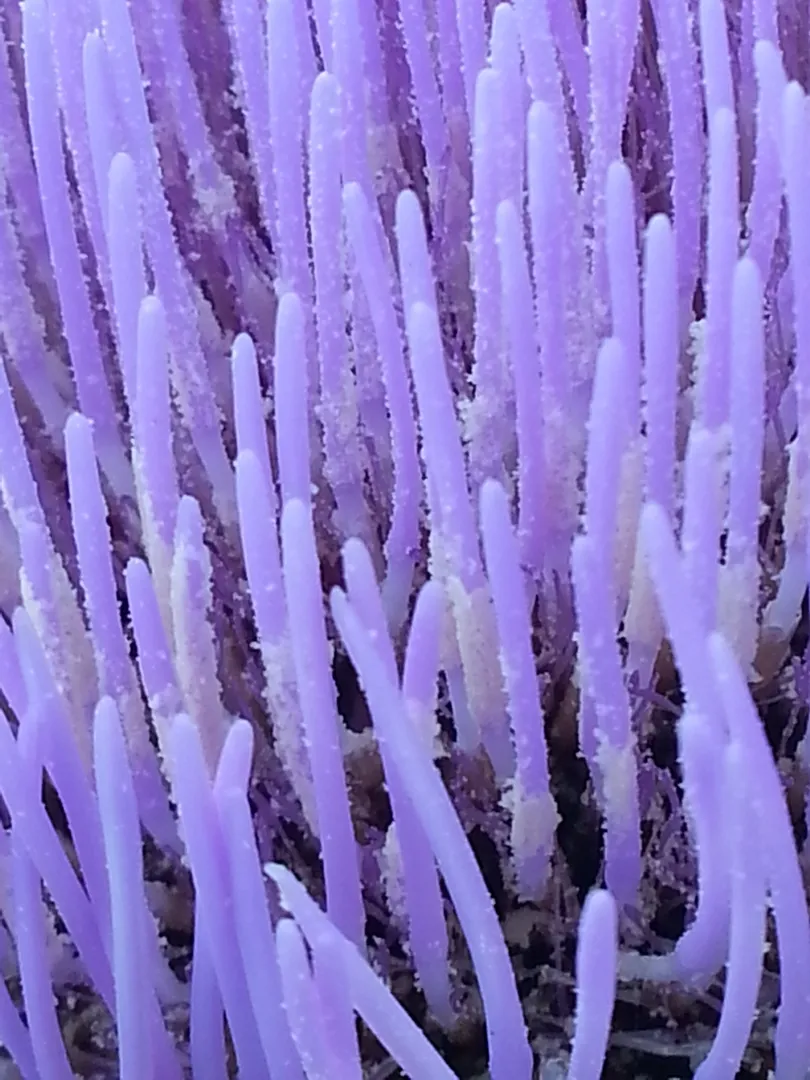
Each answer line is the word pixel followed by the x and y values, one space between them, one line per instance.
pixel 762 216
pixel 337 410
pixel 660 317
pixel 258 525
pixel 254 934
pixel 607 439
pixel 608 433
pixel 782 614
pixel 721 257
pixel 154 654
pixel 30 933
pixel 286 133
pixel 403 538
pixel 258 521
pixel 206 1017
pixel 233 776
pixel 774 837
pixel 516 301
pixel 704 497
pixel 509 1053
pixel 766 20
pixel 125 241
pixel 795 158
pixel 702 947
pixel 44 586
pixel 567 28
pixel 740 578
pixel 250 422
pixel 623 277
pixel 416 271
pixel 717 80
pixel 371 405
pixel 191 600
pixel 484 427
pixel 122 846
pixel 370 997
pixel 547 176
pixel 743 75
pixel 301 1001
pixel 153 456
pixel 505 57
pixel 748 910
pixel 335 1007
pixel 345 23
pixel 205 844
pixel 679 64
pixel 377 30
pixel 534 815
pixel 612 741
pixel 103 127
pixel 643 626
pixel 596 984
pixel 452 514
pixel 291 399
pixel 310 650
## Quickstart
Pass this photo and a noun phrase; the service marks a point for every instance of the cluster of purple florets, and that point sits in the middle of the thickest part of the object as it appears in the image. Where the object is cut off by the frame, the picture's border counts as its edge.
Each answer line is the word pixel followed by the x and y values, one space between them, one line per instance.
pixel 405 475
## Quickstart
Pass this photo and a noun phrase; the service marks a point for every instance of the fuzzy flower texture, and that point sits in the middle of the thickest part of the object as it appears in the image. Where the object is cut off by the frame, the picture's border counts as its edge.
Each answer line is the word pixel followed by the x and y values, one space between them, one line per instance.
pixel 405 533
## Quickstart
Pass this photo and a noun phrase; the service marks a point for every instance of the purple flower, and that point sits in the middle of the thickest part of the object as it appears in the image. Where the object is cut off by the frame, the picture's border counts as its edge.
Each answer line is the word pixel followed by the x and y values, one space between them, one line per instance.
pixel 404 461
